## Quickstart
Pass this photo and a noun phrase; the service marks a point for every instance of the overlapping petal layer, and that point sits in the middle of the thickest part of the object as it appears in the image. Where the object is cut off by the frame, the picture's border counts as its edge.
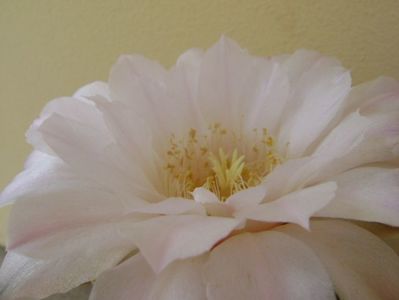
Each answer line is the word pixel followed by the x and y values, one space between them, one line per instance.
pixel 96 188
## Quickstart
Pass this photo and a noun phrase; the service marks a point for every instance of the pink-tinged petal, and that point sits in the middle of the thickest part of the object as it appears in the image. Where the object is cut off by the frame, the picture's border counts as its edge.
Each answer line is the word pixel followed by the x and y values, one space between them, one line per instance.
pixel 171 206
pixel 181 280
pixel 136 143
pixel 93 89
pixel 93 154
pixel 41 170
pixel 267 265
pixel 343 138
pixel 141 85
pixel 74 109
pixel 368 194
pixel 223 71
pixel 388 234
pixel 25 277
pixel 296 207
pixel 378 143
pixel 203 195
pixel 356 141
pixel 50 220
pixel 235 89
pixel 289 176
pixel 57 242
pixel 211 203
pixel 319 88
pixel 183 86
pixel 378 95
pixel 165 239
pixel 132 279
pixel 247 198
pixel 266 82
pixel 360 265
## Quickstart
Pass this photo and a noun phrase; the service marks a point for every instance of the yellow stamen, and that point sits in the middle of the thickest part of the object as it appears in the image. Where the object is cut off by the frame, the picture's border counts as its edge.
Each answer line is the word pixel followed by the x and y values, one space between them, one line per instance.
pixel 198 162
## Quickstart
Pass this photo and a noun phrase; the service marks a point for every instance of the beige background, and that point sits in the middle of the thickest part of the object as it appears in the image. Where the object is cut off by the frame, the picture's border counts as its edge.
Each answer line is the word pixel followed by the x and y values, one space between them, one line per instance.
pixel 51 47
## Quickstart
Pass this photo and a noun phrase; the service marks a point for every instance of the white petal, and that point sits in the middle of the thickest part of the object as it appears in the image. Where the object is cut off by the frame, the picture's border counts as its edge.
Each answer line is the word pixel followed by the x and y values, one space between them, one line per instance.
pixel 93 154
pixel 165 239
pixel 41 170
pixel 247 198
pixel 136 143
pixel 93 89
pixel 289 176
pixel 343 138
pixel 21 276
pixel 380 137
pixel 57 242
pixel 235 89
pixel 268 82
pixel 75 109
pixel 296 207
pixel 268 265
pixel 171 206
pixel 132 279
pixel 181 280
pixel 211 203
pixel 360 265
pixel 203 195
pixel 388 234
pixel 321 86
pixel 379 95
pixel 356 141
pixel 49 221
pixel 141 85
pixel 368 194
pixel 183 86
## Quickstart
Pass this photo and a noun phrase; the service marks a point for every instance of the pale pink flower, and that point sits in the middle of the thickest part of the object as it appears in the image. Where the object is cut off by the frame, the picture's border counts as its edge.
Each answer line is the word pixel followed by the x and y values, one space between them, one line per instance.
pixel 221 178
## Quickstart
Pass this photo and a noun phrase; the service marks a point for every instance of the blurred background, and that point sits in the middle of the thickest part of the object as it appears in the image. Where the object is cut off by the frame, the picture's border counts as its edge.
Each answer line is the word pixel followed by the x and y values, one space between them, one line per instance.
pixel 50 48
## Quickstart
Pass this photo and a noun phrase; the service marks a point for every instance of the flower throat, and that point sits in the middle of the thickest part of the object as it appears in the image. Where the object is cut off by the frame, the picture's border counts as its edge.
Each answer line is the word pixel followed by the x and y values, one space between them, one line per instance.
pixel 205 161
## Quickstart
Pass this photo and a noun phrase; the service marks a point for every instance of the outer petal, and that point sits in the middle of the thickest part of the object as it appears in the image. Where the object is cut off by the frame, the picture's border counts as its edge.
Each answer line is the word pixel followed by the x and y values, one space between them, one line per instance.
pixel 21 276
pixel 77 109
pixel 171 206
pixel 136 142
pixel 236 89
pixel 224 69
pixel 211 203
pixel 41 170
pixel 134 279
pixel 268 265
pixel 181 280
pixel 360 265
pixel 165 239
pixel 141 85
pixel 388 234
pixel 356 141
pixel 247 198
pixel 48 220
pixel 296 207
pixel 93 154
pixel 319 89
pixel 380 143
pixel 93 89
pixel 368 194
pixel 131 279
pixel 379 95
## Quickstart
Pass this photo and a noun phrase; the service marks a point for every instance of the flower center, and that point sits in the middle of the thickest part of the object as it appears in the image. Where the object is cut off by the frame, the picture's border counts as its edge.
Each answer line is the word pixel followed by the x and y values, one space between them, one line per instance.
pixel 218 160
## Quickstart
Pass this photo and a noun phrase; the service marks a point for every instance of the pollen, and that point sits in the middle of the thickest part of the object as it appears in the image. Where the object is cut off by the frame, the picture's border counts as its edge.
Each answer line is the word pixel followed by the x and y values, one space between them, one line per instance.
pixel 218 160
